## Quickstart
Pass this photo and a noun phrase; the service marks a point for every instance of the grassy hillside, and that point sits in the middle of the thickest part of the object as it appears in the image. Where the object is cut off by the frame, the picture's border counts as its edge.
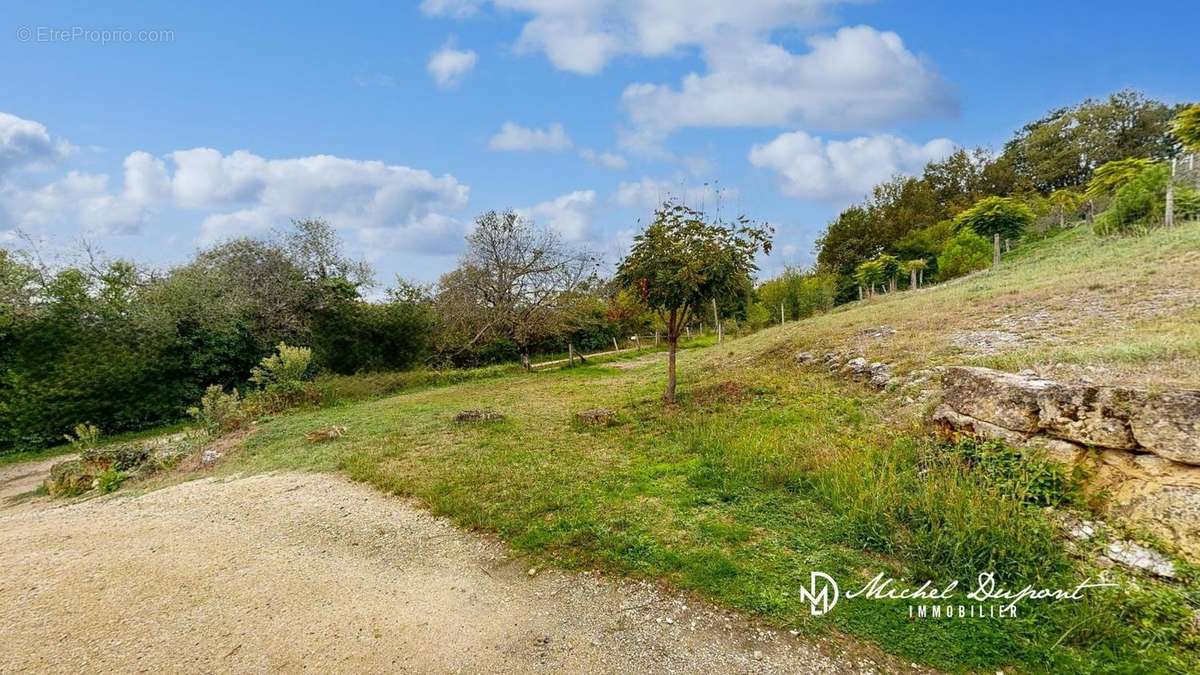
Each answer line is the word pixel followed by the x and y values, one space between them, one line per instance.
pixel 765 471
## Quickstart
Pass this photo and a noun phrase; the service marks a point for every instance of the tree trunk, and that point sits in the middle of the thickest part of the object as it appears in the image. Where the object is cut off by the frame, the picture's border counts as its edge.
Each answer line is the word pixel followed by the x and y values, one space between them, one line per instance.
pixel 669 394
pixel 995 250
pixel 525 361
pixel 921 279
pixel 912 280
pixel 860 292
pixel 892 285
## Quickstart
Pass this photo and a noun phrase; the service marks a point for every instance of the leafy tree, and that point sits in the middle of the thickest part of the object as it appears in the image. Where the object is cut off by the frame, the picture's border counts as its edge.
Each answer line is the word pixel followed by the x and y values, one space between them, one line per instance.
pixel 1005 216
pixel 891 268
pixel 869 275
pixel 1186 127
pixel 1140 203
pixel 1063 202
pixel 963 254
pixel 1113 175
pixel 1063 148
pixel 916 272
pixel 681 262
pixel 517 283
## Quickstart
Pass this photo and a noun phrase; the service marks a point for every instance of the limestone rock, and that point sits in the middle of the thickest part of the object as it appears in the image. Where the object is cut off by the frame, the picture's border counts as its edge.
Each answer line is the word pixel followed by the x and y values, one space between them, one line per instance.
pixel 1088 415
pixel 1002 399
pixel 1168 424
pixel 1138 557
pixel 954 424
pixel 881 374
pixel 804 358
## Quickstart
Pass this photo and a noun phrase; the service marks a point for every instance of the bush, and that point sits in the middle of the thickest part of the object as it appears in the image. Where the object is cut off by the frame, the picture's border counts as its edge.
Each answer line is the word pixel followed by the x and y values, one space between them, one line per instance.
pixel 219 412
pixel 964 253
pixel 1138 205
pixel 281 378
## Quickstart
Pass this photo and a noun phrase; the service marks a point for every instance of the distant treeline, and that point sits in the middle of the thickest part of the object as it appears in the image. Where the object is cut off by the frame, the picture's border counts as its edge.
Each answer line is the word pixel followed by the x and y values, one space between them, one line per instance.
pixel 1046 167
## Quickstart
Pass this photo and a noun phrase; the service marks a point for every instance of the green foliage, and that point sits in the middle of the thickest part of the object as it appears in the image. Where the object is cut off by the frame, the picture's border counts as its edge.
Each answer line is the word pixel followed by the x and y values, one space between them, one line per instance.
pixel 1186 127
pixel 219 412
pixel 1005 216
pixel 681 261
pixel 109 480
pixel 870 274
pixel 85 435
pixel 1140 204
pixel 802 294
pixel 1022 473
pixel 281 376
pixel 963 254
pixel 1063 148
pixel 1114 175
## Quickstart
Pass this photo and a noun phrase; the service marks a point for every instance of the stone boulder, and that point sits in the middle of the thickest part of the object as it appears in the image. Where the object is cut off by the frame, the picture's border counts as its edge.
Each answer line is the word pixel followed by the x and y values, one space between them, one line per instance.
pixel 1122 418
pixel 1004 399
pixel 1168 424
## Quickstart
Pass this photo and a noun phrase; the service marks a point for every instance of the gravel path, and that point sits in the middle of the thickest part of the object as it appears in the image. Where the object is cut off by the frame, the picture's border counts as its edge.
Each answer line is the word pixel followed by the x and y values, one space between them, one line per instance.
pixel 295 572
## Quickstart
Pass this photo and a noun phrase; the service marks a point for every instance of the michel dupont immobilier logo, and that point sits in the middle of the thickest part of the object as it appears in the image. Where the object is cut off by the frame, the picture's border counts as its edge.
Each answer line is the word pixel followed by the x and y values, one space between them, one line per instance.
pixel 987 599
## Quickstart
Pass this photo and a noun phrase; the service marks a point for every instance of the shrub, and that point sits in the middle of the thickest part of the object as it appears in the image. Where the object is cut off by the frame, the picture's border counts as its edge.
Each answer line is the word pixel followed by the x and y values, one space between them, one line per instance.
pixel 281 378
pixel 86 435
pixel 964 253
pixel 109 480
pixel 1140 204
pixel 219 412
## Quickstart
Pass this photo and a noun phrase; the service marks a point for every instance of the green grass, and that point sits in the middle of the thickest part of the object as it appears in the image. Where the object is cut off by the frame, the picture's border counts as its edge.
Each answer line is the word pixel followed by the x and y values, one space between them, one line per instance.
pixel 736 493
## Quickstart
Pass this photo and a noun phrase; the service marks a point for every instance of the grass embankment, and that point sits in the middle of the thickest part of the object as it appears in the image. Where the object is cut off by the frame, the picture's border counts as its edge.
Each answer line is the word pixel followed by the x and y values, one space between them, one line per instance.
pixel 765 472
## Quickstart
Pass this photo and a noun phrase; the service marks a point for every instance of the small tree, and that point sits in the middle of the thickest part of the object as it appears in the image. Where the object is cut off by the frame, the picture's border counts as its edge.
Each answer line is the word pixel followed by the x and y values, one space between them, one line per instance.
pixel 1186 127
pixel 1111 177
pixel 891 269
pixel 682 261
pixel 916 272
pixel 1063 202
pixel 1005 216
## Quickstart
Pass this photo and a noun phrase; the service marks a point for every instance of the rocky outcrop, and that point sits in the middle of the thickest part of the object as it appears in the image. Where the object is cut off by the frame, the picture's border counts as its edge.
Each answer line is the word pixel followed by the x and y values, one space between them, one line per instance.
pixel 1166 424
pixel 1140 448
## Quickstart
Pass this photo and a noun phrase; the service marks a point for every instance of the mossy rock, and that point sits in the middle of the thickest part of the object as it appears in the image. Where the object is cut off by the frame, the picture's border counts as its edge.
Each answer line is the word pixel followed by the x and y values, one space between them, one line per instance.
pixel 70 478
pixel 121 457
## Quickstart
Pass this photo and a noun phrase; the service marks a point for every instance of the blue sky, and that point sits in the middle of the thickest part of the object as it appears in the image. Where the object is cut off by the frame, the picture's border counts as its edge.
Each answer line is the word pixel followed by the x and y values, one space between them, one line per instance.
pixel 399 122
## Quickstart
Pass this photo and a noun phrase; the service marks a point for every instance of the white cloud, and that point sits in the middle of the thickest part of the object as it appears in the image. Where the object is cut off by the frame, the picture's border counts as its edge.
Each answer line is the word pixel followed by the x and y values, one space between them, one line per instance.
pixel 608 160
pixel 650 193
pixel 515 137
pixel 457 9
pixel 25 143
pixel 404 207
pixel 584 35
pixel 570 215
pixel 810 167
pixel 859 77
pixel 448 66
pixel 242 193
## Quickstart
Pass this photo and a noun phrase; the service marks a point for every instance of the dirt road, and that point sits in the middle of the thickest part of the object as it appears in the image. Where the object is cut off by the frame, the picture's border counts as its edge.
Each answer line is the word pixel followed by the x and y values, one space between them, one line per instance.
pixel 292 572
